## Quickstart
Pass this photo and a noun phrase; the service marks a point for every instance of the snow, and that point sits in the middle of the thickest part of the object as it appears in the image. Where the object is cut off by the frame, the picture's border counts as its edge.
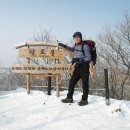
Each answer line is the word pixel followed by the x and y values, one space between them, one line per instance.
pixel 39 111
pixel 24 43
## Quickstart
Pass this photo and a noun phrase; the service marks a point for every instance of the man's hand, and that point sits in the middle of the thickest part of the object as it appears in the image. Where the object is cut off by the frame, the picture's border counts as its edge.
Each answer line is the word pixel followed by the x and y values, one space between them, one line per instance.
pixel 78 61
pixel 62 45
pixel 81 61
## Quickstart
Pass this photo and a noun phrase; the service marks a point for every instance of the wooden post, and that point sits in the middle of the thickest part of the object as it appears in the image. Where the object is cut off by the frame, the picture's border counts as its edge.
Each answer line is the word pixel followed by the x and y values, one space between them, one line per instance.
pixel 57 86
pixel 106 86
pixel 57 80
pixel 28 76
pixel 49 85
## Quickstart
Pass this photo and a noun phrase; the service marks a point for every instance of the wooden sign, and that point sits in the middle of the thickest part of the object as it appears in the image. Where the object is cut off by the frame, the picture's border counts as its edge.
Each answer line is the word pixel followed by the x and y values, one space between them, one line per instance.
pixel 29 51
pixel 41 53
pixel 44 69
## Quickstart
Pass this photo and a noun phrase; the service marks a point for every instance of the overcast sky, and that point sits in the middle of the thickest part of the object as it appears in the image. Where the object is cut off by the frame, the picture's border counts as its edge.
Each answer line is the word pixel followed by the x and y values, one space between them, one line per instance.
pixel 19 19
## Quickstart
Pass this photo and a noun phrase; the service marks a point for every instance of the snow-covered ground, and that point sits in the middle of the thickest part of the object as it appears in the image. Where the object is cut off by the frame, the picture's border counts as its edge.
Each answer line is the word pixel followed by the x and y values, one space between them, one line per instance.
pixel 39 111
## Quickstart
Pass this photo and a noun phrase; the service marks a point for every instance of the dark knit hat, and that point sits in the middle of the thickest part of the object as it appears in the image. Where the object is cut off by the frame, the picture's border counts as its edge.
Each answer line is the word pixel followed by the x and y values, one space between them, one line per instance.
pixel 78 34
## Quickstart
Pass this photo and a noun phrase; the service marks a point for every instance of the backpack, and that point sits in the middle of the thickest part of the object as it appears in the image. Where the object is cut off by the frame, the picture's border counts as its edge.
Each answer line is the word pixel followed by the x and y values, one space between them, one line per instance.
pixel 92 49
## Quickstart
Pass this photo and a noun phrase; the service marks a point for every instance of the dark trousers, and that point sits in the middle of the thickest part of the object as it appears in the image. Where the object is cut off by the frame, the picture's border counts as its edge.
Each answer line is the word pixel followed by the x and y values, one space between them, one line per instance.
pixel 81 72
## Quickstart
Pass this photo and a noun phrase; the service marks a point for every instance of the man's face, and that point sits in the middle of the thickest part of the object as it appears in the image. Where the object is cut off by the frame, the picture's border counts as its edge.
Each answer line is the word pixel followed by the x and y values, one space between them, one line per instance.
pixel 77 39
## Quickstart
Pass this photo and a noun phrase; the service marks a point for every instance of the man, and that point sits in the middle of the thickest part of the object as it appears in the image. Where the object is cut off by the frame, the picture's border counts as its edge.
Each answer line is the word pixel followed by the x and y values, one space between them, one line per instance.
pixel 81 70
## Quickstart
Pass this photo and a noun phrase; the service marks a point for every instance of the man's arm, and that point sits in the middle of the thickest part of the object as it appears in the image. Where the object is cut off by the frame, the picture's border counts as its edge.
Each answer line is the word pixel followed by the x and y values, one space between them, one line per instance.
pixel 66 47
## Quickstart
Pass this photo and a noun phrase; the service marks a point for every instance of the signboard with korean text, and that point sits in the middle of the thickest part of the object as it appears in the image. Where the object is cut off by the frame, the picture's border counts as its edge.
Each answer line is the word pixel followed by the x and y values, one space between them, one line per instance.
pixel 41 53
pixel 44 69
pixel 31 68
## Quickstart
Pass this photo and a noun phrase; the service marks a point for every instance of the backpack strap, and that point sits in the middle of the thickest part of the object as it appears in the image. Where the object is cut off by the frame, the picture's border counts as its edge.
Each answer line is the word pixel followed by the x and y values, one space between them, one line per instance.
pixel 82 47
pixel 79 50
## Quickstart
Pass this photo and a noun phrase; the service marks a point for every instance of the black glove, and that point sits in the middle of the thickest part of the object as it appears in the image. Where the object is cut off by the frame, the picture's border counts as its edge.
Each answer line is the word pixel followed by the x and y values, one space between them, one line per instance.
pixel 62 45
pixel 78 61
pixel 81 61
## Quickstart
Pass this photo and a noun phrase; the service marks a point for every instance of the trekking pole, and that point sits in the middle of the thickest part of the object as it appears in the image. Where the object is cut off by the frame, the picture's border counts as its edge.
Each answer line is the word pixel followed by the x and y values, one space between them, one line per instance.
pixel 73 65
pixel 91 69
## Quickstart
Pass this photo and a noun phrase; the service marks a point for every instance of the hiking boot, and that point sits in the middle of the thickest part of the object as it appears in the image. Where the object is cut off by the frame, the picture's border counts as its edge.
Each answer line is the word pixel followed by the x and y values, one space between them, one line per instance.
pixel 67 100
pixel 83 102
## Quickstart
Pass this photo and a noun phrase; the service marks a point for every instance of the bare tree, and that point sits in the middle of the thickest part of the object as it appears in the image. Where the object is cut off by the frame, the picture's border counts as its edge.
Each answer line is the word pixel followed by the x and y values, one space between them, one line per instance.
pixel 114 51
